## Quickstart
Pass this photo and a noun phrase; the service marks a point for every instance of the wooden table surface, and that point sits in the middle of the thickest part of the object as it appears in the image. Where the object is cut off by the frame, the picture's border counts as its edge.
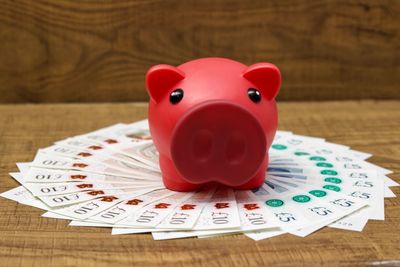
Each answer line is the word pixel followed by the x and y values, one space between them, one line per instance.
pixel 26 239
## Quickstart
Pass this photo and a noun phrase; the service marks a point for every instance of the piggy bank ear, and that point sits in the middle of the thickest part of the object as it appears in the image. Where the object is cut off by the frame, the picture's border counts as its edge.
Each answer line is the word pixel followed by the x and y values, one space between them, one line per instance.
pixel 160 79
pixel 266 77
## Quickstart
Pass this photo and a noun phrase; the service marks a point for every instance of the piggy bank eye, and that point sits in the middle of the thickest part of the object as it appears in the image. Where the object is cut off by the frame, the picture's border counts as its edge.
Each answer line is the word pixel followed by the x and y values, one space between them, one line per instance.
pixel 254 95
pixel 176 96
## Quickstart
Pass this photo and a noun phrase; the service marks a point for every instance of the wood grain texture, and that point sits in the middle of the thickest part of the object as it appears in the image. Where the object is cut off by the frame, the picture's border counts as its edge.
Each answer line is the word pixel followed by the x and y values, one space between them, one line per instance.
pixel 26 239
pixel 99 51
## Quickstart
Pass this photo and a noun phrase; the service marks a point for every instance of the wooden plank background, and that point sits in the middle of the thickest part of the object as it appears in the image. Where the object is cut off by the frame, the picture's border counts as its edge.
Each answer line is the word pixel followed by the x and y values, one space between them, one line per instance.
pixel 99 51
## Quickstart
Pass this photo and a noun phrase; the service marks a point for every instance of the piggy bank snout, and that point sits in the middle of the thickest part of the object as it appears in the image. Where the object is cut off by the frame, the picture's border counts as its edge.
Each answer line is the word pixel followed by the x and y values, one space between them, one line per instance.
pixel 218 141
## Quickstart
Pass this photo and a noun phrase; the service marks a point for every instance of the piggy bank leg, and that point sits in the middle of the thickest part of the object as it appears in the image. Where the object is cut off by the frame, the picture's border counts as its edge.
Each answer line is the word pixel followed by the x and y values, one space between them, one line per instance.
pixel 257 180
pixel 172 179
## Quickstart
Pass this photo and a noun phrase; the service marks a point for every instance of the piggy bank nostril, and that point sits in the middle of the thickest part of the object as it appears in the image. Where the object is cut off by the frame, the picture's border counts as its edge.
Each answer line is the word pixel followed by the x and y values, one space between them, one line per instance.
pixel 202 145
pixel 235 149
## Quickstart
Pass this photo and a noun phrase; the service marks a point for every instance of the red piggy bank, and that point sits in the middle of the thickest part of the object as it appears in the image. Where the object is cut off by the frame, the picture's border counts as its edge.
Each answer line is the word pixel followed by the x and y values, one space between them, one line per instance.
pixel 213 120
